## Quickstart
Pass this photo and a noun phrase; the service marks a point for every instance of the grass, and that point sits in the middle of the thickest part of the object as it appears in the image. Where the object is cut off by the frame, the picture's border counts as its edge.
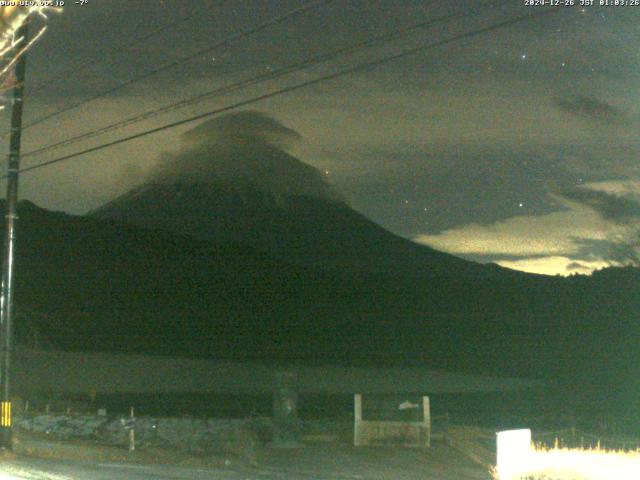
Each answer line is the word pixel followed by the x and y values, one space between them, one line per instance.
pixel 544 463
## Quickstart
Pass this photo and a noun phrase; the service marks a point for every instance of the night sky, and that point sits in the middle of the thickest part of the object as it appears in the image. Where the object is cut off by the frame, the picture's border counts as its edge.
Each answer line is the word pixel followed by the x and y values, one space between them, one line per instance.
pixel 518 146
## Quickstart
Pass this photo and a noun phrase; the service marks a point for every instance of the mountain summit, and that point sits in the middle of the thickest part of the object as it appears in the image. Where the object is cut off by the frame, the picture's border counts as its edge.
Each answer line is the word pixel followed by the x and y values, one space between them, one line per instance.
pixel 234 181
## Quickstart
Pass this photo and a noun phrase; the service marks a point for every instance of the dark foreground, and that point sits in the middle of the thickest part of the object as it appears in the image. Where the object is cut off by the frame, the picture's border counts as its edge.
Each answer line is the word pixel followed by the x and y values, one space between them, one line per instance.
pixel 313 462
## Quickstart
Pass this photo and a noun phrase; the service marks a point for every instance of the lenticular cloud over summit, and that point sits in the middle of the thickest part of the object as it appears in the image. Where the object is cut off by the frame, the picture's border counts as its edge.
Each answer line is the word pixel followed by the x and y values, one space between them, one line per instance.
pixel 245 149
pixel 247 126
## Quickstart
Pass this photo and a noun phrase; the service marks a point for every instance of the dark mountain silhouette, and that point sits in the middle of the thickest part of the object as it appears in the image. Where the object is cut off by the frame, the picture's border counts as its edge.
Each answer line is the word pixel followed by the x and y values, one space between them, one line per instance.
pixel 235 249
pixel 89 284
pixel 343 290
pixel 235 182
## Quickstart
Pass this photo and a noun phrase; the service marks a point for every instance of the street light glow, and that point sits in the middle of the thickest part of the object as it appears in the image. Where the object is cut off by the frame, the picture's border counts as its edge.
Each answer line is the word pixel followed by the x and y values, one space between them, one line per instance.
pixel 13 47
pixel 519 459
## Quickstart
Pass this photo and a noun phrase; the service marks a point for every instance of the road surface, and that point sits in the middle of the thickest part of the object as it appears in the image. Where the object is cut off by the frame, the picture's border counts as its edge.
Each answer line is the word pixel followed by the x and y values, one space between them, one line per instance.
pixel 308 464
pixel 317 462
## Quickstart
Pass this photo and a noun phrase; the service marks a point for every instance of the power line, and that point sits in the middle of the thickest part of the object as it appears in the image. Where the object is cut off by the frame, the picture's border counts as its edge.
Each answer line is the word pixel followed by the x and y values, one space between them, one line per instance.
pixel 286 70
pixel 188 58
pixel 119 48
pixel 341 73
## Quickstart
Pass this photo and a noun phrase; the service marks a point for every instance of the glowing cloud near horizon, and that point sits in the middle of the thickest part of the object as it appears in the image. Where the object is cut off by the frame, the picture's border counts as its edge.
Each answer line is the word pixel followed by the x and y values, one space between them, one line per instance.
pixel 595 226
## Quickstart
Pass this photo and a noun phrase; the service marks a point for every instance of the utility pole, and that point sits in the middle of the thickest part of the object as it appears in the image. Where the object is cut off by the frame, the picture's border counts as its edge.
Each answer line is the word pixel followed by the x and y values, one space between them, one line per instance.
pixel 6 289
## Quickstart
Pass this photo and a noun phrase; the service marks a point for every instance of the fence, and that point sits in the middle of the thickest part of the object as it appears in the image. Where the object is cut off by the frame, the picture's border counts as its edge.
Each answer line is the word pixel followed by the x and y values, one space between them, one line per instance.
pixel 410 433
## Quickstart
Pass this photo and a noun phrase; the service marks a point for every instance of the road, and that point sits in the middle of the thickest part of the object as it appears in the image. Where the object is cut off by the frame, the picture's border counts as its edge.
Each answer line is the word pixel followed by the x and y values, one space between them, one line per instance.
pixel 314 462
pixel 322 463
pixel 56 470
pixel 33 469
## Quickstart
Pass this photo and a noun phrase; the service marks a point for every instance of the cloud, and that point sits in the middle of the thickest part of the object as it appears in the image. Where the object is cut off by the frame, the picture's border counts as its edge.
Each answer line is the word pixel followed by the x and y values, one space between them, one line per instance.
pixel 554 265
pixel 618 203
pixel 614 207
pixel 616 187
pixel 577 267
pixel 616 250
pixel 524 236
pixel 591 108
pixel 598 226
pixel 247 125
pixel 243 152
